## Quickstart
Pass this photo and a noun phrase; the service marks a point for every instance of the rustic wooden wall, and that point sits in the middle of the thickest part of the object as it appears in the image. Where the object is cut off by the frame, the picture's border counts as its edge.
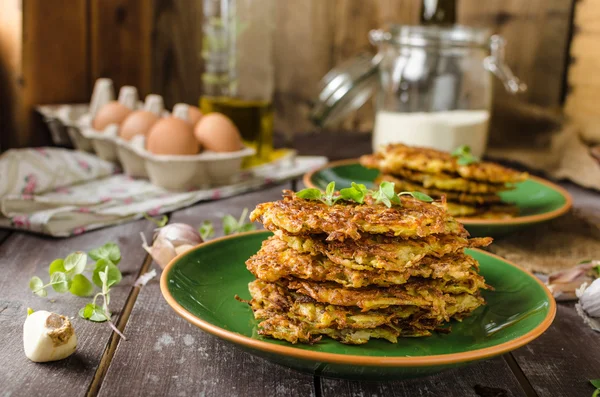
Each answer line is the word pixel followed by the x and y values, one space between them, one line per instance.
pixel 155 45
pixel 583 77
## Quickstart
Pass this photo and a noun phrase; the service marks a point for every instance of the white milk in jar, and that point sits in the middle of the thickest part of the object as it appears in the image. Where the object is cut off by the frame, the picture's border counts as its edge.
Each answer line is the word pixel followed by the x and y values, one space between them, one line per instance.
pixel 439 130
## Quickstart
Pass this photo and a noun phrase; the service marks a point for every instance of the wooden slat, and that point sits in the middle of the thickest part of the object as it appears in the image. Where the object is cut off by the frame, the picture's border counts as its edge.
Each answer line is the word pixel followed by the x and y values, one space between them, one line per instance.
pixel 120 42
pixel 583 80
pixel 166 356
pixel 23 256
pixel 561 361
pixel 176 62
pixel 48 63
pixel 11 40
pixel 489 378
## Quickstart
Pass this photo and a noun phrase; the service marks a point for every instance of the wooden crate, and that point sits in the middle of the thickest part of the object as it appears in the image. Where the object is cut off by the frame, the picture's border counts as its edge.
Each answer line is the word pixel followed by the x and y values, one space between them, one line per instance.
pixel 583 93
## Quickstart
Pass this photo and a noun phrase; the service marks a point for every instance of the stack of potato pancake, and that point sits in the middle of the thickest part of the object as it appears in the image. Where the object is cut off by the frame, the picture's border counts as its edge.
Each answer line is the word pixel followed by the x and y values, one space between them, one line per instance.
pixel 355 271
pixel 471 189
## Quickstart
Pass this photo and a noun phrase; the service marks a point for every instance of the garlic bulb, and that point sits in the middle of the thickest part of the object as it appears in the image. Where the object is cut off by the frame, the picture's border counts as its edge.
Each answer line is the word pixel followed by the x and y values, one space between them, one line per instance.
pixel 589 304
pixel 48 337
pixel 170 241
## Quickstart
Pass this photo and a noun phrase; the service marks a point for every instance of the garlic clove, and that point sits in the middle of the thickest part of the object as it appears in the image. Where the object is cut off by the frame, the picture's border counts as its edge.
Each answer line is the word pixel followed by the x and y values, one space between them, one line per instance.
pixel 178 234
pixel 171 240
pixel 589 298
pixel 48 337
pixel 183 248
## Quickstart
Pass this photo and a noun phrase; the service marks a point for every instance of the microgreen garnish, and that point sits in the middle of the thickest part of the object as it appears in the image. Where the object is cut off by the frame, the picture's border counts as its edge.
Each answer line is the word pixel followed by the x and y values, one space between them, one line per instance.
pixel 67 275
pixel 417 195
pixel 596 384
pixel 30 311
pixel 357 192
pixel 464 155
pixel 158 222
pixel 206 230
pixel 232 225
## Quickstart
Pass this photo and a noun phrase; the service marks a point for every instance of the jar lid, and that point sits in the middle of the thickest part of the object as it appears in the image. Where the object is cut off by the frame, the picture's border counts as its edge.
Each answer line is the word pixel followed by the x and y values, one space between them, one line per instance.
pixel 345 88
pixel 433 36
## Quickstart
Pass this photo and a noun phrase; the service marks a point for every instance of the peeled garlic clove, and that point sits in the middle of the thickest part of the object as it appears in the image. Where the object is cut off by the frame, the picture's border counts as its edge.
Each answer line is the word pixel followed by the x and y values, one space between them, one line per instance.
pixel 48 337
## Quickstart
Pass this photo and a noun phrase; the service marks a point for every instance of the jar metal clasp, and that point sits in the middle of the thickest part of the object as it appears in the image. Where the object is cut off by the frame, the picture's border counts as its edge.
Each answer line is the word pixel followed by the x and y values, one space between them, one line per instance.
pixel 495 64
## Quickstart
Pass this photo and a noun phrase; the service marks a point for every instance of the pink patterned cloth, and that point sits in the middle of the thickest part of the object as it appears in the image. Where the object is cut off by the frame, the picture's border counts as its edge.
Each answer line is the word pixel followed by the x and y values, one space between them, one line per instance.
pixel 62 192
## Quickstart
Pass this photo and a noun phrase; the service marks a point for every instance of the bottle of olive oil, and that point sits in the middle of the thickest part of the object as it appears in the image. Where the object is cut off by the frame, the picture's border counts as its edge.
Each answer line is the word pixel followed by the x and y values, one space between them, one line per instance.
pixel 238 78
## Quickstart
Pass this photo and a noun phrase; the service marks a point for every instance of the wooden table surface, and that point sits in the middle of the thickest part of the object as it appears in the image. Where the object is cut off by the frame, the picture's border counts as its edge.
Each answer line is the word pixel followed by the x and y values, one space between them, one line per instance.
pixel 166 356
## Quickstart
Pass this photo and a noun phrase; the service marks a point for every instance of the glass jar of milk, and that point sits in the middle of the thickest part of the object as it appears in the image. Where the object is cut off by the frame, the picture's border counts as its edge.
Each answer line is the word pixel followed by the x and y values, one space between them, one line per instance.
pixel 433 86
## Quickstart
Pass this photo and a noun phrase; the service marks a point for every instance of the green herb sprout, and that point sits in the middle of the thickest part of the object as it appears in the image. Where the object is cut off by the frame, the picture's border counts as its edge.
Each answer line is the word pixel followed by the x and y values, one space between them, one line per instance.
pixel 464 155
pixel 67 275
pixel 385 195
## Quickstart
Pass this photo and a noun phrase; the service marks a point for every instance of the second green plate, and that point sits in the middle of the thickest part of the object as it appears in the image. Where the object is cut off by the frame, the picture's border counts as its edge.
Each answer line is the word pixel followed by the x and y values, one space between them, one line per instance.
pixel 538 200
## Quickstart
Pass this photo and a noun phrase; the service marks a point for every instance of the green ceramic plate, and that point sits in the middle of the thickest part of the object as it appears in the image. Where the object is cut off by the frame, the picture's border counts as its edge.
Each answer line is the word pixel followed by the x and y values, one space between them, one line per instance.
pixel 538 200
pixel 200 285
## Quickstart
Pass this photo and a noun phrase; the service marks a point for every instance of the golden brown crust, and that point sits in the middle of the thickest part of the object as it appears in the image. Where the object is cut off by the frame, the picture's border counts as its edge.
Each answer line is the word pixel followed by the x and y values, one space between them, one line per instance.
pixel 424 293
pixel 396 157
pixel 414 218
pixel 381 252
pixel 276 261
pixel 296 318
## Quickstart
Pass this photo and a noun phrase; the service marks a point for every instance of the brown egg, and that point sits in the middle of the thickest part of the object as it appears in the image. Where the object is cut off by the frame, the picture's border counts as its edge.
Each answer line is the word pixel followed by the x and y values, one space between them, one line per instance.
pixel 194 115
pixel 217 132
pixel 111 113
pixel 171 135
pixel 137 123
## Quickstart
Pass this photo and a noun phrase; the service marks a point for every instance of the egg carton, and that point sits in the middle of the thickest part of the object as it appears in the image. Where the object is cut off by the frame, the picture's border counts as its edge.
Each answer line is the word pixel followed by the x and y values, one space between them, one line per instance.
pixel 172 172
pixel 178 172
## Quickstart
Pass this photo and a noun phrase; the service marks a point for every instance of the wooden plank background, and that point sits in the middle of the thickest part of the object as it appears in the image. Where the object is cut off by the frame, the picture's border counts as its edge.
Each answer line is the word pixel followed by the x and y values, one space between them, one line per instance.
pixel 155 45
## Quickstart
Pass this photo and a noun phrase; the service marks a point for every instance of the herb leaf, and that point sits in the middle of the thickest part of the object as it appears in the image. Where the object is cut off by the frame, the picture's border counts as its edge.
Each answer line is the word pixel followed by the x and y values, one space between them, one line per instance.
pixel 37 286
pixel 75 263
pixel 310 194
pixel 93 312
pixel 60 282
pixel 330 189
pixel 109 251
pixel 417 195
pixel 57 265
pixel 81 286
pixel 114 274
pixel 355 193
pixel 595 382
pixel 30 311
pixel 229 224
pixel 464 155
pixel 206 230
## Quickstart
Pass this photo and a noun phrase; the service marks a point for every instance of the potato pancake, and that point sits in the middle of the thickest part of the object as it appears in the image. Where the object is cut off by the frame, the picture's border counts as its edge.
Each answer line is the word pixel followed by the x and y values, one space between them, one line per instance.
pixel 381 252
pixel 414 218
pixel 276 260
pixel 402 185
pixel 424 293
pixel 396 157
pixel 299 320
